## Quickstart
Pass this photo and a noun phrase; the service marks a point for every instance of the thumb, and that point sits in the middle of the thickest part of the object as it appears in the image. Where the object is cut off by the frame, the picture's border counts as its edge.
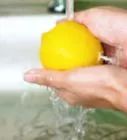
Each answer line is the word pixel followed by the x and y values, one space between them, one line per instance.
pixel 50 78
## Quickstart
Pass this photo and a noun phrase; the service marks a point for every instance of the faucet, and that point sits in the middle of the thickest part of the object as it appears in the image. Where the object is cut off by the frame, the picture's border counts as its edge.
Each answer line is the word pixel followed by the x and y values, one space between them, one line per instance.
pixel 57 6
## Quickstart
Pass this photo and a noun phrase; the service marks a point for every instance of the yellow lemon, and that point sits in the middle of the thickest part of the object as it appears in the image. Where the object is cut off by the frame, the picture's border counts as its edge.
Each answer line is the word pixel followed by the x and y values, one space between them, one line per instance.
pixel 69 45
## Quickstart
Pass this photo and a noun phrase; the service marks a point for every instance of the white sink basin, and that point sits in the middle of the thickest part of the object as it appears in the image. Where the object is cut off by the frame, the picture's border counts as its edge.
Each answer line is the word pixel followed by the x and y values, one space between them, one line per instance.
pixel 19 44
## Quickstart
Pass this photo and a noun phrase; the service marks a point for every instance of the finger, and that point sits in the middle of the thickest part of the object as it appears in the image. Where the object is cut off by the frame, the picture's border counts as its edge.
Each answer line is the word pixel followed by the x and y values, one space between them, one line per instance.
pixel 108 24
pixel 46 77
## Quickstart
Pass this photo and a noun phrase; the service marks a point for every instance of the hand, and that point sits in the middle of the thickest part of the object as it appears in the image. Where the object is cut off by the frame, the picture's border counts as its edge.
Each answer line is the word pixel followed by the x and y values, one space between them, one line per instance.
pixel 109 25
pixel 99 86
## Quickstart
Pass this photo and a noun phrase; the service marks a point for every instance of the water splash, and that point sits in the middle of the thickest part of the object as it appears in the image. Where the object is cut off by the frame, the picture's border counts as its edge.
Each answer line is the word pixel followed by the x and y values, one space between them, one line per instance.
pixel 68 114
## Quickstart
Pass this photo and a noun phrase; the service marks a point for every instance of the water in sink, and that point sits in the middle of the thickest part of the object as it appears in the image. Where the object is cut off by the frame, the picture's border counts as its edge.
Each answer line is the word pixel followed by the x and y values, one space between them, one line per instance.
pixel 66 122
pixel 34 118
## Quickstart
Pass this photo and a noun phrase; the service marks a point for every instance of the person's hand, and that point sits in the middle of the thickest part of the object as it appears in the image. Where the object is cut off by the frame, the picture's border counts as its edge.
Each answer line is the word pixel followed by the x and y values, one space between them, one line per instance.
pixel 98 86
pixel 109 25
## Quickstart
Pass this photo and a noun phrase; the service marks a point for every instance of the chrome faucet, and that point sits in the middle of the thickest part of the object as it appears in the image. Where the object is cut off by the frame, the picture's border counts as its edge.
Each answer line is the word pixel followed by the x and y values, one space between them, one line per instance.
pixel 57 6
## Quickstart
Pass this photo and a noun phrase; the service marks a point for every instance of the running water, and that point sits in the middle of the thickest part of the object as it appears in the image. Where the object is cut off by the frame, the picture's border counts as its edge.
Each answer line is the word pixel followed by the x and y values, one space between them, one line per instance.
pixel 70 9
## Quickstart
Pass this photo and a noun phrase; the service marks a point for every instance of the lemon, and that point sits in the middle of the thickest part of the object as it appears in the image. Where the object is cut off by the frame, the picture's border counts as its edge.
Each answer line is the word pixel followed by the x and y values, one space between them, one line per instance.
pixel 69 45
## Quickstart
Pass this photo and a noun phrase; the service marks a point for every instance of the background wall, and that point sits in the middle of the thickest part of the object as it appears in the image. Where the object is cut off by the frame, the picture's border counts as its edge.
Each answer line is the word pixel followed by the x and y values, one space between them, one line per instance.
pixel 84 4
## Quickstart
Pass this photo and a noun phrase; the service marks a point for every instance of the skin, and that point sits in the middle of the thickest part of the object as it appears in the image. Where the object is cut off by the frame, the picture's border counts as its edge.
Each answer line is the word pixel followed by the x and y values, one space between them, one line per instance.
pixel 99 86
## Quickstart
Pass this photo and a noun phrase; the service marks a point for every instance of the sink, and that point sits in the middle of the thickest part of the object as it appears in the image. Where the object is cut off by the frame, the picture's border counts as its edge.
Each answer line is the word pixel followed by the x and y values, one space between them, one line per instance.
pixel 26 112
pixel 19 45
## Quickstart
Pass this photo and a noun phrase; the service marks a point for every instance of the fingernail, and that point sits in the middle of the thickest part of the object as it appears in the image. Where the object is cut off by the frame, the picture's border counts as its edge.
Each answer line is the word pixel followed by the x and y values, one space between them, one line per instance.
pixel 29 78
pixel 32 71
